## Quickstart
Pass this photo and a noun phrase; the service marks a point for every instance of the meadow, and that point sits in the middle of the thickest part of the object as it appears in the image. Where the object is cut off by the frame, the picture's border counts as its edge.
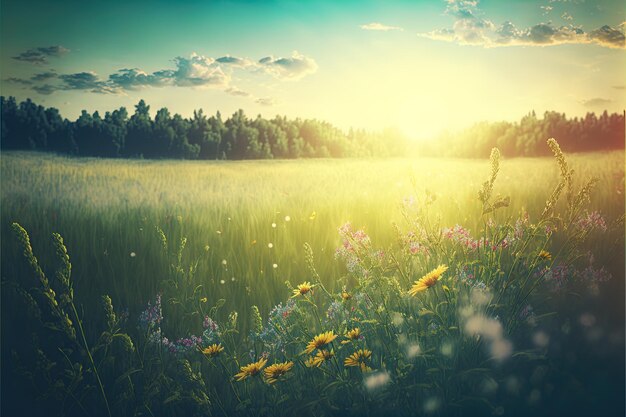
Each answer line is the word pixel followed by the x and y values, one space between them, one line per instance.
pixel 237 231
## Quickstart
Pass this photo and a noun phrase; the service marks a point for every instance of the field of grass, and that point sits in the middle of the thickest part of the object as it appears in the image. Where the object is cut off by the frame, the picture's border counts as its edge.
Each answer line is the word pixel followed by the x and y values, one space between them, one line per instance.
pixel 246 223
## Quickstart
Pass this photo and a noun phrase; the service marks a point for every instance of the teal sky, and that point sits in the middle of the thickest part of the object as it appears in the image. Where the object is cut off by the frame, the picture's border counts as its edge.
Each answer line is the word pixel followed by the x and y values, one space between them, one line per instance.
pixel 420 66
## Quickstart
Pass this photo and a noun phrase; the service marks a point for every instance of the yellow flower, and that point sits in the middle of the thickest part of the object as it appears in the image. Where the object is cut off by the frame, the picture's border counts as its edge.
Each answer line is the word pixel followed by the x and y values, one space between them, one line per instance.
pixel 313 216
pixel 544 254
pixel 428 280
pixel 320 357
pixel 303 289
pixel 203 300
pixel 345 296
pixel 251 369
pixel 353 334
pixel 213 350
pixel 275 371
pixel 320 341
pixel 359 359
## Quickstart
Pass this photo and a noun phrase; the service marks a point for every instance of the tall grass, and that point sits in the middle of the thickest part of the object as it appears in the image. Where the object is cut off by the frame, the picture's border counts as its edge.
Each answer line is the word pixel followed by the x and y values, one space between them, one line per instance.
pixel 212 248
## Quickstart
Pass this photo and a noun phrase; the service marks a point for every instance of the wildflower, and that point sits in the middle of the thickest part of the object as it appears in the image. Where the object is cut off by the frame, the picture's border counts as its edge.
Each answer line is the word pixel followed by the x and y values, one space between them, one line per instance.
pixel 213 350
pixel 303 289
pixel 251 369
pixel 544 254
pixel 428 280
pixel 318 360
pixel 275 371
pixel 359 359
pixel 354 334
pixel 313 216
pixel 320 341
pixel 345 296
pixel 204 300
pixel 287 218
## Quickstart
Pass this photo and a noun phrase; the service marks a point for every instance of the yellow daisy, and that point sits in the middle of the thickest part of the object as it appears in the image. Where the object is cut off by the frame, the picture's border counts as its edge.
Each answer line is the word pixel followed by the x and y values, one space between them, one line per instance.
pixel 352 335
pixel 359 359
pixel 251 369
pixel 544 254
pixel 428 280
pixel 320 341
pixel 320 357
pixel 275 371
pixel 213 350
pixel 345 296
pixel 303 289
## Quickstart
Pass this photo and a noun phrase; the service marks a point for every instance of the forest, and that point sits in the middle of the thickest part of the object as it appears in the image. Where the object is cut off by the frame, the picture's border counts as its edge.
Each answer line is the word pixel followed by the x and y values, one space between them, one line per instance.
pixel 28 126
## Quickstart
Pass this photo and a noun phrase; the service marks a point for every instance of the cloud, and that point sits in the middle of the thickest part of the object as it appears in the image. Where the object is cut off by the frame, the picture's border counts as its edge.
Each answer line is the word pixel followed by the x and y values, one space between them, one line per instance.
pixel 567 16
pixel 199 70
pixel 40 55
pixel 546 9
pixel 470 28
pixel 15 80
pixel 43 76
pixel 234 91
pixel 293 68
pixel 86 81
pixel 379 27
pixel 236 62
pixel 597 103
pixel 608 36
pixel 265 101
pixel 619 87
pixel 194 71
pixel 135 79
pixel 45 89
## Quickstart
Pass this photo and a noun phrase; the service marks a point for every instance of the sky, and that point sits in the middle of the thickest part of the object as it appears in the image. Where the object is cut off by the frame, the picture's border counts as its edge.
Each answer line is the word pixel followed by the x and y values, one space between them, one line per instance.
pixel 417 66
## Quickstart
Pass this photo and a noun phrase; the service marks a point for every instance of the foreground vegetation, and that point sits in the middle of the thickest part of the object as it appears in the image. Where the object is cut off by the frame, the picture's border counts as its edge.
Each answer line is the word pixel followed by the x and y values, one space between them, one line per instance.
pixel 436 301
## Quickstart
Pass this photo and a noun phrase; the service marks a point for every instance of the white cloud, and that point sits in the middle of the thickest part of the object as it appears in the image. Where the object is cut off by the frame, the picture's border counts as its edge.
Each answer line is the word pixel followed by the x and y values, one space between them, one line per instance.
pixel 470 28
pixel 293 68
pixel 380 27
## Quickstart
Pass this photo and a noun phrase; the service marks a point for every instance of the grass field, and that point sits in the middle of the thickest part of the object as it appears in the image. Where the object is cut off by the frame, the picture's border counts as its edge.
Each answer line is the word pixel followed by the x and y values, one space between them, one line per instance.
pixel 246 222
pixel 107 210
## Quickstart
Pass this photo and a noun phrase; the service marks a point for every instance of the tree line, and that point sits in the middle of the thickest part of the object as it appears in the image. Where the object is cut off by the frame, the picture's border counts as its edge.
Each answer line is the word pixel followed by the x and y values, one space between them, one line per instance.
pixel 528 136
pixel 30 126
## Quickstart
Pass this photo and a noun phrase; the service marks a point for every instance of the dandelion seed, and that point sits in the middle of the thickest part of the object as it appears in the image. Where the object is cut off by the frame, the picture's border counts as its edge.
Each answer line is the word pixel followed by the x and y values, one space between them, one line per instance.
pixel 219 232
pixel 133 254
pixel 428 280
pixel 320 341
pixel 233 279
pixel 274 225
pixel 222 281
pixel 413 350
pixel 251 370
pixel 224 262
pixel 270 245
pixel 274 266
pixel 431 405
pixel 277 370
pixel 287 218
pixel 377 380
pixel 541 339
pixel 206 248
